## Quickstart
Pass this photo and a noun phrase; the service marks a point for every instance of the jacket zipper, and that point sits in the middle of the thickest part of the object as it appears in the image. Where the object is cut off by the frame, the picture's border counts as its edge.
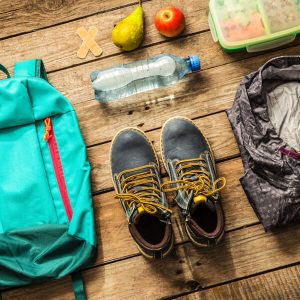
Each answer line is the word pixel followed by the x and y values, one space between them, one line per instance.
pixel 49 137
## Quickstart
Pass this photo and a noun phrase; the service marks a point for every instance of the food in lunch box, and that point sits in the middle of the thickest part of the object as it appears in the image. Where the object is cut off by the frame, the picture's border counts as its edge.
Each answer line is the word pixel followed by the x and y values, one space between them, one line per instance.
pixel 277 20
pixel 235 31
pixel 170 21
pixel 128 33
pixel 240 20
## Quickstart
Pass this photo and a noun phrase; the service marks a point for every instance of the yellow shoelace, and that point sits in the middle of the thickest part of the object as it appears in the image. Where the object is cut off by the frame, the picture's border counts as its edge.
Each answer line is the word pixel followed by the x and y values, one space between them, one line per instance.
pixel 148 194
pixel 201 186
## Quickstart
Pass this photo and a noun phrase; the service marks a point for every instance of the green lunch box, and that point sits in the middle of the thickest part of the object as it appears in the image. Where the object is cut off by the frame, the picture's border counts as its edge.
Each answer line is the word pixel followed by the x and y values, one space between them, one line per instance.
pixel 254 25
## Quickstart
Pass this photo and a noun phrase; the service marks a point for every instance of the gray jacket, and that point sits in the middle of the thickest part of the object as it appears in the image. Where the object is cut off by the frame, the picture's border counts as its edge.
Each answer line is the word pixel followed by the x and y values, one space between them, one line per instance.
pixel 265 118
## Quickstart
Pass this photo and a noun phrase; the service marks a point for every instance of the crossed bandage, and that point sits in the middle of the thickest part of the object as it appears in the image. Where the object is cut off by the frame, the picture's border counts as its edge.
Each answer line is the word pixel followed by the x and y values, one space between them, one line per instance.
pixel 88 42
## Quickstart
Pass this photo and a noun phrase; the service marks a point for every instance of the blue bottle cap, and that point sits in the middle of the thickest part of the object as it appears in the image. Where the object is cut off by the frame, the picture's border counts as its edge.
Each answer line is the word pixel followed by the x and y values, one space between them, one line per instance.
pixel 195 63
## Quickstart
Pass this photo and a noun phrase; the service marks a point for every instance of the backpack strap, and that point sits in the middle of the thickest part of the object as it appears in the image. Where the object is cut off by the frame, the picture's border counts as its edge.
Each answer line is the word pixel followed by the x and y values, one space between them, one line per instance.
pixel 30 68
pixel 3 69
pixel 78 286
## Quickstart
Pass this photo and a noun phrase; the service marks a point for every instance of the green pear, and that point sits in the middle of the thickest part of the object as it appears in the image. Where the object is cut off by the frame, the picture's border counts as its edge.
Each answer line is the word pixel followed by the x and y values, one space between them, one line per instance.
pixel 128 33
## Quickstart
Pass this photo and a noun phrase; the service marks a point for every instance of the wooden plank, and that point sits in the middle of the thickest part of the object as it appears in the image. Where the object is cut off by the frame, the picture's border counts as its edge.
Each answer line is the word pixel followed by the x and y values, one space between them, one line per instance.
pixel 215 127
pixel 207 92
pixel 58 45
pixel 242 253
pixel 115 241
pixel 17 17
pixel 58 289
pixel 280 284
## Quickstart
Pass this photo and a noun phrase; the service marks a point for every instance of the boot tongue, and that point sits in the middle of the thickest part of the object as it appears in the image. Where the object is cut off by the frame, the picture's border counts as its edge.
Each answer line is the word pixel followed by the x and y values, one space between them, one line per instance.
pixel 195 201
pixel 202 200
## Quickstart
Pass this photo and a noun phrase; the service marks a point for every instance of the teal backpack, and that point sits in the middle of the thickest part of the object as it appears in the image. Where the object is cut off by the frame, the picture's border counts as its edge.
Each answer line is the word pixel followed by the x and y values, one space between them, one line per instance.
pixel 47 226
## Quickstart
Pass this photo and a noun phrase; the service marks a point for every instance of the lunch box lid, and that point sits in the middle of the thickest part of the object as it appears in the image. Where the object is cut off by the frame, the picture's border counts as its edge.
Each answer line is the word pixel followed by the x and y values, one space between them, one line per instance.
pixel 255 25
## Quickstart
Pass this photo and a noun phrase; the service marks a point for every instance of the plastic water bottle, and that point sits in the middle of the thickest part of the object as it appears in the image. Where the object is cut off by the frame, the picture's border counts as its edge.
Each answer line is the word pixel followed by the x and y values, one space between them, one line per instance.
pixel 124 80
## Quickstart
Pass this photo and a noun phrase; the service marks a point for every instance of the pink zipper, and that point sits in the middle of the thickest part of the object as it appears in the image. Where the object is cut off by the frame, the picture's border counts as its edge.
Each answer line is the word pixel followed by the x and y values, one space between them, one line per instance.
pixel 58 169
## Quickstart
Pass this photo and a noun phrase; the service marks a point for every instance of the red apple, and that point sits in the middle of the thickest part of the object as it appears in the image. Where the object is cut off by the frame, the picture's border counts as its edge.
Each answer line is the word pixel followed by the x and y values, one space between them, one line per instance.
pixel 170 21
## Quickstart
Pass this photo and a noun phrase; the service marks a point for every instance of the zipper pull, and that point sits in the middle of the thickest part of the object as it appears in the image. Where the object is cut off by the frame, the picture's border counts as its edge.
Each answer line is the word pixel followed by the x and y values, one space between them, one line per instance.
pixel 48 129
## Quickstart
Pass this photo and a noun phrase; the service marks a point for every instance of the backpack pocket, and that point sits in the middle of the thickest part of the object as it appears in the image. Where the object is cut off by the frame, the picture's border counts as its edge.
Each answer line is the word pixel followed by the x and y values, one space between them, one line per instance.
pixel 25 197
pixel 68 173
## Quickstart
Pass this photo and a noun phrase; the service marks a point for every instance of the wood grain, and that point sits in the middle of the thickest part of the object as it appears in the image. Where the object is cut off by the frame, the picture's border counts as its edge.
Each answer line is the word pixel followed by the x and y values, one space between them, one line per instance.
pixel 242 253
pixel 273 285
pixel 58 45
pixel 17 17
pixel 215 127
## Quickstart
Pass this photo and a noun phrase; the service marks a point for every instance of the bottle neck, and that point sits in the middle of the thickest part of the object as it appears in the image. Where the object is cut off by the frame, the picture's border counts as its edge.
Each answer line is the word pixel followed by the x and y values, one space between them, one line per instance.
pixel 189 64
pixel 193 63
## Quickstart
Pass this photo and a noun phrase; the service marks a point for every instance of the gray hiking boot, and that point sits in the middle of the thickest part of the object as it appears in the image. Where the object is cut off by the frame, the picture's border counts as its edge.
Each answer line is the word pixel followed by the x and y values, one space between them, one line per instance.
pixel 189 162
pixel 137 181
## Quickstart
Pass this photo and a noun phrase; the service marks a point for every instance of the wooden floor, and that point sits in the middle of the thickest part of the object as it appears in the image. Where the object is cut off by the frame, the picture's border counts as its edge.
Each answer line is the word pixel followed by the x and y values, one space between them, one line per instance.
pixel 249 263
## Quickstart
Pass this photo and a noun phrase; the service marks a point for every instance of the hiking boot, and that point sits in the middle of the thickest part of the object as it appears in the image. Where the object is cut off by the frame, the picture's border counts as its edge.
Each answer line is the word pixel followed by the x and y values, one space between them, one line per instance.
pixel 189 162
pixel 137 181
